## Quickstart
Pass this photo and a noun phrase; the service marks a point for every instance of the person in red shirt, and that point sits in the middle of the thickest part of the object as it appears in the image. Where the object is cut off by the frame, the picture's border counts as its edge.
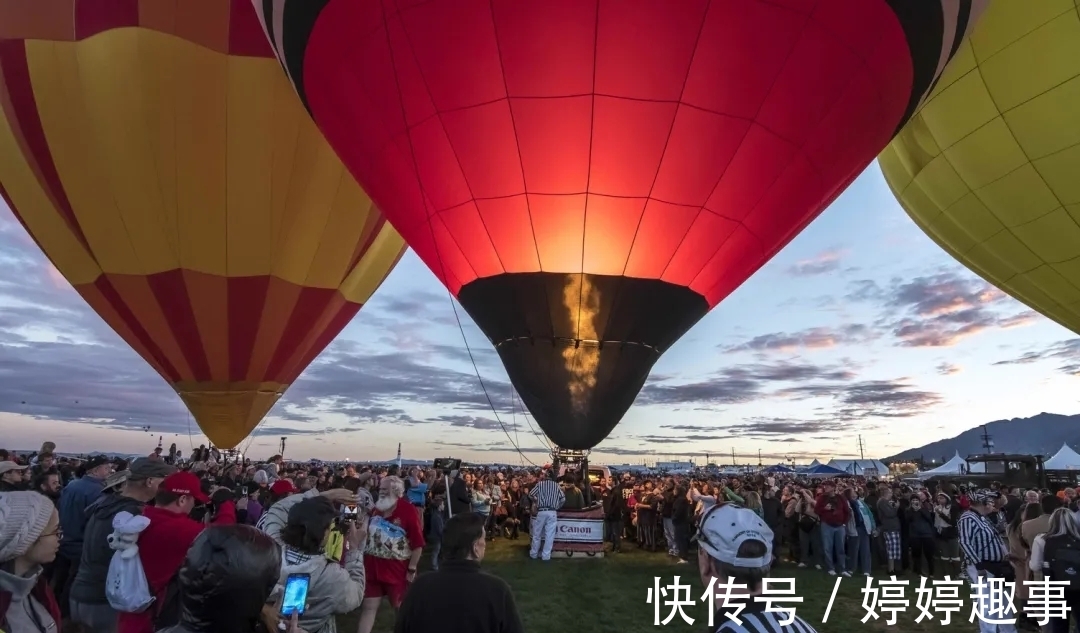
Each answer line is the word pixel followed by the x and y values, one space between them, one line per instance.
pixel 390 577
pixel 165 542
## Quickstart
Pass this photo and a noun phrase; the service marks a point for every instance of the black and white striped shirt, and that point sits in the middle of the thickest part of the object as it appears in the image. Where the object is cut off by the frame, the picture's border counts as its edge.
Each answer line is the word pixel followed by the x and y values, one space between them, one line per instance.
pixel 757 621
pixel 979 540
pixel 548 495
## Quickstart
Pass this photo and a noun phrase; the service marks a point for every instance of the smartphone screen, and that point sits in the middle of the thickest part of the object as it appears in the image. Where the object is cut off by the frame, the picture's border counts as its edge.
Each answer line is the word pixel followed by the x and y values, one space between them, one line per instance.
pixel 296 588
pixel 348 510
pixel 243 490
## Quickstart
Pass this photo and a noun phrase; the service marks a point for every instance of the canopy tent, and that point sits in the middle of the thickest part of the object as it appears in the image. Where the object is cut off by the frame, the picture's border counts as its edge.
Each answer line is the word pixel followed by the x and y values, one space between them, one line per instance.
pixel 955 466
pixel 1065 459
pixel 861 467
pixel 823 470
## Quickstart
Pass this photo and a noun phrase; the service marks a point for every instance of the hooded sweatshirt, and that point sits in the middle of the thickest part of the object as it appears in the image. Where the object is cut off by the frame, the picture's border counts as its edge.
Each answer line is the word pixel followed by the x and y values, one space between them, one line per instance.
pixel 89 584
pixel 27 604
pixel 333 589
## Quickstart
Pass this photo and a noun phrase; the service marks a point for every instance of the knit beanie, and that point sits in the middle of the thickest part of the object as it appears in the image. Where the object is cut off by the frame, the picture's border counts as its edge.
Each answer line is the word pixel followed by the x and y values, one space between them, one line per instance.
pixel 23 518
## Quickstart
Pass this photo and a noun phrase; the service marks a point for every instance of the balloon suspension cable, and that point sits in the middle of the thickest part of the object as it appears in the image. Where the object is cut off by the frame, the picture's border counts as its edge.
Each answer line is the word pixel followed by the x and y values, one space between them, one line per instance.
pixel 191 445
pixel 442 265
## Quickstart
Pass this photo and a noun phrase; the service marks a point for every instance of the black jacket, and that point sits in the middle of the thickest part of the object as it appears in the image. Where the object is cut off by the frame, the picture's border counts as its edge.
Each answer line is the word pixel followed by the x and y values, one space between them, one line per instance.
pixel 89 584
pixel 458 500
pixel 459 598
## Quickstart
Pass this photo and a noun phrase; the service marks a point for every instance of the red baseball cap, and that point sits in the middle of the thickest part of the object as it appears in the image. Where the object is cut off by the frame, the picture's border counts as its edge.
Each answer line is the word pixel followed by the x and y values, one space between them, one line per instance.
pixel 184 483
pixel 282 487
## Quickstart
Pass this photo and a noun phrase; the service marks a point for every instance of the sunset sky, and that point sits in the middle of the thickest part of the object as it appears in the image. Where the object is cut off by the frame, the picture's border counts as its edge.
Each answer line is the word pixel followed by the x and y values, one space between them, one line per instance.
pixel 860 326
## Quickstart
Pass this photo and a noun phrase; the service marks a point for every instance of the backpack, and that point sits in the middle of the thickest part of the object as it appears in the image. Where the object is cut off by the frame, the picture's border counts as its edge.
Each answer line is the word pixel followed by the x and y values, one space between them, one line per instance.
pixel 1061 557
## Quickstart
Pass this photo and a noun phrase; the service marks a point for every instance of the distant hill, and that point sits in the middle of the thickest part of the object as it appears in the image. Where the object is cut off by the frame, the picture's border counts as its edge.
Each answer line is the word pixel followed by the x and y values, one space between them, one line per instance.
pixel 1041 434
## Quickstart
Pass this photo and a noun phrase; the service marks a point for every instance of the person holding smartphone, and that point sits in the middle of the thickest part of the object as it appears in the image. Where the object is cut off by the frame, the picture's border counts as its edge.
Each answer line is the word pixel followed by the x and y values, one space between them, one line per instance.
pixel 332 588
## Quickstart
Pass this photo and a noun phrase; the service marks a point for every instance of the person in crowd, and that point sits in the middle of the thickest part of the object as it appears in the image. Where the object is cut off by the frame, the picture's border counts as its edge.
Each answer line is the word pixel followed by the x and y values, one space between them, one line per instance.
pixel 12 476
pixel 920 520
pixel 547 499
pixel 29 539
pixel 460 501
pixel 1041 523
pixel 985 554
pixel 1055 555
pixel 860 529
pixel 460 597
pixel 74 500
pixel 334 589
pixel 165 542
pixel 391 577
pixel 888 511
pixel 735 547
pixel 680 521
pixel 614 503
pixel 1020 551
pixel 47 482
pixel 275 517
pixel 834 511
pixel 772 511
pixel 946 515
pixel 226 578
pixel 139 485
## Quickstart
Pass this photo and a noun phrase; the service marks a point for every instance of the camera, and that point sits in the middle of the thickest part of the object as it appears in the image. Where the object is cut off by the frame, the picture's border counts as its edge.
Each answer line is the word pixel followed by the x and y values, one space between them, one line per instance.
pixel 344 521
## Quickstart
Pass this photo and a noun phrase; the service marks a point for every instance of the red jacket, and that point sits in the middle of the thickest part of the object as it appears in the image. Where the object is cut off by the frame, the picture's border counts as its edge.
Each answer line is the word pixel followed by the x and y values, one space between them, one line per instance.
pixel 834 510
pixel 162 548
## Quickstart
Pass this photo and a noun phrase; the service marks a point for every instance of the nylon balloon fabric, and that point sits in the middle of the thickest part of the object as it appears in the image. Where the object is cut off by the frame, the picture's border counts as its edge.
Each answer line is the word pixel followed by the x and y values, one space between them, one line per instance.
pixel 159 158
pixel 988 167
pixel 590 178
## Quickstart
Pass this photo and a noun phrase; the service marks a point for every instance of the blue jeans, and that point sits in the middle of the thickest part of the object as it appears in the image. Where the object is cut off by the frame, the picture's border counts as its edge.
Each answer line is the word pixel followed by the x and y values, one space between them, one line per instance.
pixel 858 551
pixel 669 534
pixel 832 541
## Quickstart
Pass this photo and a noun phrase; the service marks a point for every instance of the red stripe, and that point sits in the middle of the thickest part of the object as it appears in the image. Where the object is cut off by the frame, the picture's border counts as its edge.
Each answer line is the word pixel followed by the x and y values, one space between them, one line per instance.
pixel 310 305
pixel 16 76
pixel 110 294
pixel 246 35
pixel 344 315
pixel 99 16
pixel 170 291
pixel 360 252
pixel 246 299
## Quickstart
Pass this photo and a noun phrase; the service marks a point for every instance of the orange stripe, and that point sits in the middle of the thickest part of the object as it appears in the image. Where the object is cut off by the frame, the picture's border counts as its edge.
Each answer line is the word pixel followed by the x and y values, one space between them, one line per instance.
pixel 208 295
pixel 281 297
pixel 20 109
pixel 320 318
pixel 135 293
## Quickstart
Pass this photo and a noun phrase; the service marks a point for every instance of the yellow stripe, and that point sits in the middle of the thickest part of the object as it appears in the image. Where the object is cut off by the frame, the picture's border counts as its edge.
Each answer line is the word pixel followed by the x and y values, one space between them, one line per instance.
pixel 372 268
pixel 177 156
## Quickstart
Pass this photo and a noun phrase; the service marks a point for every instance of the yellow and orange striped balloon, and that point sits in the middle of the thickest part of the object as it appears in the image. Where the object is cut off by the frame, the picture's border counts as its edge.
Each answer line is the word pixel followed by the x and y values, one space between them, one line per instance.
pixel 160 158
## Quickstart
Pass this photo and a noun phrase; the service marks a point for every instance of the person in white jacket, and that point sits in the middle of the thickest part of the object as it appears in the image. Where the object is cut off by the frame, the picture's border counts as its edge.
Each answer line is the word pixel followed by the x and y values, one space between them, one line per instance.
pixel 334 588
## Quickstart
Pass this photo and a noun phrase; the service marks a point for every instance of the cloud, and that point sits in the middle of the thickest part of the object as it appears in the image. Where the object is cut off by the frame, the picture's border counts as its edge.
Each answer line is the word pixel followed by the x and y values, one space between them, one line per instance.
pixel 1067 353
pixel 824 262
pixel 948 369
pixel 940 310
pixel 812 338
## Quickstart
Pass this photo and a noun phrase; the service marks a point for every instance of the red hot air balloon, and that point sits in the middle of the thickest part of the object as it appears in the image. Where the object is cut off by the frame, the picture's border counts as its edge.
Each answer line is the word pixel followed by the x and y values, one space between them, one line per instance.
pixel 590 178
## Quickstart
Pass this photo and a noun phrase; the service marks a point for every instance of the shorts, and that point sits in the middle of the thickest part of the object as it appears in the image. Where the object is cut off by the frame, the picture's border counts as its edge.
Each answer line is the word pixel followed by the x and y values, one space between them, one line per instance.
pixel 892 545
pixel 394 592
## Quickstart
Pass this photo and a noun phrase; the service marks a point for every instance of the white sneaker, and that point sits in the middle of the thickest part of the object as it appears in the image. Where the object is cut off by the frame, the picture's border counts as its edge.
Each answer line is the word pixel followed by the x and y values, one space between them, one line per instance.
pixel 832 573
pixel 817 567
pixel 802 565
pixel 846 574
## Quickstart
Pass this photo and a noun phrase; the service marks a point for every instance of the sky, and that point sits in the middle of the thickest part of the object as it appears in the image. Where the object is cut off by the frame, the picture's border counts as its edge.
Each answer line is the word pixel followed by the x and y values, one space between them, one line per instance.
pixel 861 326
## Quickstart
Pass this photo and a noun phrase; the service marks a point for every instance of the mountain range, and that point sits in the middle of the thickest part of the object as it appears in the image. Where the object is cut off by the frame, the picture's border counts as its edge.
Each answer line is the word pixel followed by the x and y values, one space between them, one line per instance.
pixel 1041 434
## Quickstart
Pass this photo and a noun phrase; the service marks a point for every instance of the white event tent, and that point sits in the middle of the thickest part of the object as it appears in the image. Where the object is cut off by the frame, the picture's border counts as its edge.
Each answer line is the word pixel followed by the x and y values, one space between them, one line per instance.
pixel 861 467
pixel 1064 459
pixel 955 466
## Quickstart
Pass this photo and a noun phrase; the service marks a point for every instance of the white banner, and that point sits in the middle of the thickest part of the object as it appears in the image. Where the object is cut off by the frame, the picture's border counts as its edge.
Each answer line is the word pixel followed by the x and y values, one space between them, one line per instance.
pixel 579 530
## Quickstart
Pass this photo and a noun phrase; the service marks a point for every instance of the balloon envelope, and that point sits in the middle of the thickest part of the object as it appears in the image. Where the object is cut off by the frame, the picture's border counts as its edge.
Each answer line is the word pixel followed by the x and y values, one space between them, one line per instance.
pixel 989 166
pixel 160 159
pixel 590 178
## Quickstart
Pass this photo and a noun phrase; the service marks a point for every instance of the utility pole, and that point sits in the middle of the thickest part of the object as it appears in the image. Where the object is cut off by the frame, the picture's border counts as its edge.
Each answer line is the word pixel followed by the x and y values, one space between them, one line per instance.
pixel 759 457
pixel 732 456
pixel 862 447
pixel 988 442
pixel 282 452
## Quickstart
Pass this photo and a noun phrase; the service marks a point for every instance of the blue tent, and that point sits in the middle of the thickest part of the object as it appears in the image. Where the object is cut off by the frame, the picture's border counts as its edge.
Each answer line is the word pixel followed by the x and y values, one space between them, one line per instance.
pixel 779 468
pixel 823 470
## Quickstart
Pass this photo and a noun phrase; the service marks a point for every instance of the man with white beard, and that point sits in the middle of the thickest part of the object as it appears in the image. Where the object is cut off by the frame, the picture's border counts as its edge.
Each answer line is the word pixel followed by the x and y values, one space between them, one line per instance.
pixel 390 564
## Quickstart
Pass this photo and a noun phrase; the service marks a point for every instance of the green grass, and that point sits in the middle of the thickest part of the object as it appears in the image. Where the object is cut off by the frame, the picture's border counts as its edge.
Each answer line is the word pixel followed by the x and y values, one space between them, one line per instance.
pixel 596 596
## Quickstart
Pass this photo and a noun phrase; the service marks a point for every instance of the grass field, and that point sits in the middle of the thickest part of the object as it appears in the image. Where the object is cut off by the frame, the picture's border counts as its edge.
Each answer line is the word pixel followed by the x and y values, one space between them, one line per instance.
pixel 597 596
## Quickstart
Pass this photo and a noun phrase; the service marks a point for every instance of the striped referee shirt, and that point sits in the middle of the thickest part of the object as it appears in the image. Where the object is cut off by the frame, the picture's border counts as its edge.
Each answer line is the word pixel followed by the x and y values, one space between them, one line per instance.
pixel 755 620
pixel 548 495
pixel 979 540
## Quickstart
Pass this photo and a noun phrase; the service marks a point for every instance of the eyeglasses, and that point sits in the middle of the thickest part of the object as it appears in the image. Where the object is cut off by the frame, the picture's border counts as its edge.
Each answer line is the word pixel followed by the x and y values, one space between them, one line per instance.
pixel 58 533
